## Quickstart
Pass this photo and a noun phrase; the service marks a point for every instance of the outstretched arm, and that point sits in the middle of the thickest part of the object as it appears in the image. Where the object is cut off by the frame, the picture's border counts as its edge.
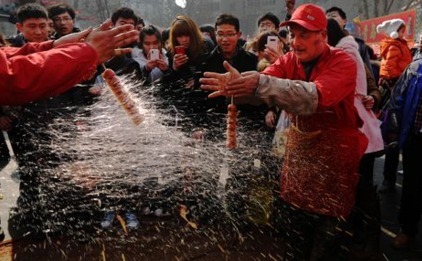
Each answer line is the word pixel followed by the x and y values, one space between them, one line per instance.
pixel 40 70
pixel 294 96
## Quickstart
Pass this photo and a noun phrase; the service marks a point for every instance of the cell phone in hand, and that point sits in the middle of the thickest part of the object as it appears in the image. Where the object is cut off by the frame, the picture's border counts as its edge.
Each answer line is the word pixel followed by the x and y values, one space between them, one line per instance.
pixel 154 54
pixel 180 49
pixel 272 41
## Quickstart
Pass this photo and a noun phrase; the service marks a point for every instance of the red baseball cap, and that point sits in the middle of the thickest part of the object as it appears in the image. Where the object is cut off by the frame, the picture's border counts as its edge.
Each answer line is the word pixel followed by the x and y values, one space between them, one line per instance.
pixel 309 16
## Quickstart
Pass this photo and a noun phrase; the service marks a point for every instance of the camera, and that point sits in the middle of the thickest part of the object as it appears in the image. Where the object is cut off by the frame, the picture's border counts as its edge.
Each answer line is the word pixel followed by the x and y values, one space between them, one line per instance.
pixel 154 54
pixel 272 41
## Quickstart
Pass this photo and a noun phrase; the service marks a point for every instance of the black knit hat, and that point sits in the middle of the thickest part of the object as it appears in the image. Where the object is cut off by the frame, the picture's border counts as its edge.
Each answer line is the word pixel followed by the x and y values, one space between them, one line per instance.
pixel 272 17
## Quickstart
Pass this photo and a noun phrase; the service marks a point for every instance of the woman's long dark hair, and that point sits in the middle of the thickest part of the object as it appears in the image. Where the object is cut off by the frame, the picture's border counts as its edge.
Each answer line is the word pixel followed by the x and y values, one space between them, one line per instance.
pixel 334 32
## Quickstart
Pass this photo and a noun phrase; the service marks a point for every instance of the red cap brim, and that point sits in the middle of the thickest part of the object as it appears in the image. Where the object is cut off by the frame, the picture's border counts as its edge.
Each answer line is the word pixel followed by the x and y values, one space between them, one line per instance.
pixel 301 23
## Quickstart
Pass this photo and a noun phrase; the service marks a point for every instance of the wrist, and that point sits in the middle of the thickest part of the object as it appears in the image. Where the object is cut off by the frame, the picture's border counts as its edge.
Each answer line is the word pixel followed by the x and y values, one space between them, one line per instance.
pixel 262 80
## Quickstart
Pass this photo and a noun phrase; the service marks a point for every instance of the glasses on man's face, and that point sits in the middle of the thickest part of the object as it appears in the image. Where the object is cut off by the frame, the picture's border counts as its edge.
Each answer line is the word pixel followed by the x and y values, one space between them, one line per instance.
pixel 62 19
pixel 226 35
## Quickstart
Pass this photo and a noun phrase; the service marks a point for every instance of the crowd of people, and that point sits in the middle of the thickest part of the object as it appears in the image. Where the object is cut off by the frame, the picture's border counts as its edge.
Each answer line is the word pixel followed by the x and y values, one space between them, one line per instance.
pixel 330 119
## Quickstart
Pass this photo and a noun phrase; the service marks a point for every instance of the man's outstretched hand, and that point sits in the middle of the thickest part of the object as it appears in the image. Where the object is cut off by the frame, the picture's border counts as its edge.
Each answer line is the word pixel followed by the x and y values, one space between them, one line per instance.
pixel 104 39
pixel 217 82
pixel 231 83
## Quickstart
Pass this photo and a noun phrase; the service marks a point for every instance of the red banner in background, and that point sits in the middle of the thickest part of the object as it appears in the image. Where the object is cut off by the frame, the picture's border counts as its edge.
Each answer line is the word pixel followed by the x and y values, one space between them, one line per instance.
pixel 368 28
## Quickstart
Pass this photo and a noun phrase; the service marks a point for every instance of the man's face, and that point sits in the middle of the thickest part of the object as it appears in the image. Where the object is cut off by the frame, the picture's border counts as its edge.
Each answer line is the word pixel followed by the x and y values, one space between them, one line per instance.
pixel 266 25
pixel 150 42
pixel 290 3
pixel 139 27
pixel 123 21
pixel 183 40
pixel 307 45
pixel 336 16
pixel 227 38
pixel 51 29
pixel 34 29
pixel 63 23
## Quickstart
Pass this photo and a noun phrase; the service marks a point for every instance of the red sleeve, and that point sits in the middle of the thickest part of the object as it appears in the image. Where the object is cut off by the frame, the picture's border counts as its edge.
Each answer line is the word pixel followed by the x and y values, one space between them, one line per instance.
pixel 334 75
pixel 28 48
pixel 42 74
pixel 336 81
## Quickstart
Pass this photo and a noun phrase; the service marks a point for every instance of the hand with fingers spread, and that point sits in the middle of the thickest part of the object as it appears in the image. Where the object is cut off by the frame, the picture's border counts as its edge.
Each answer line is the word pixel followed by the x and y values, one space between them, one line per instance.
pixel 227 84
pixel 73 38
pixel 104 40
pixel 217 82
pixel 77 56
pixel 245 85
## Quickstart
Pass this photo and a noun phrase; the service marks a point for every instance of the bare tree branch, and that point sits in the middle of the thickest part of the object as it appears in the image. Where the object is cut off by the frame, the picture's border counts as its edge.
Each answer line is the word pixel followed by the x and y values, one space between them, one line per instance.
pixel 409 4
pixel 365 10
pixel 376 4
pixel 384 7
pixel 76 5
pixel 389 7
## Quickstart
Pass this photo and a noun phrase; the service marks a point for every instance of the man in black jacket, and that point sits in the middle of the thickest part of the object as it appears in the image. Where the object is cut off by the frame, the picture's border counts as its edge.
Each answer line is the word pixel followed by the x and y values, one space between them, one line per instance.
pixel 227 28
pixel 32 25
pixel 227 33
pixel 64 20
pixel 340 16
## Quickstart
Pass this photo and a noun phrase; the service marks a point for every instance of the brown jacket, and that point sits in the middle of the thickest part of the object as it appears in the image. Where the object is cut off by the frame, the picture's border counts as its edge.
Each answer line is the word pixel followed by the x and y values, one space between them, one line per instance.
pixel 373 88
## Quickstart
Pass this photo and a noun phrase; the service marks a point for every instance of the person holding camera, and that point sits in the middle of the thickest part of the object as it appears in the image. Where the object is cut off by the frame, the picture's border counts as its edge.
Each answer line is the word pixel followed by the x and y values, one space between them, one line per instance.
pixel 150 54
pixel 188 49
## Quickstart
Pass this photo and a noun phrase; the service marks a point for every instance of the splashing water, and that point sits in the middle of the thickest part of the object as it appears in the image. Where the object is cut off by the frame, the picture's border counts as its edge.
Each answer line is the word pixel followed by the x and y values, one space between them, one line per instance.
pixel 94 159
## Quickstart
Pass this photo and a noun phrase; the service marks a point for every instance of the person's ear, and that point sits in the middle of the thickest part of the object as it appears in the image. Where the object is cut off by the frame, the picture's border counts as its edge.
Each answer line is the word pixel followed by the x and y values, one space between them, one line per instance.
pixel 19 26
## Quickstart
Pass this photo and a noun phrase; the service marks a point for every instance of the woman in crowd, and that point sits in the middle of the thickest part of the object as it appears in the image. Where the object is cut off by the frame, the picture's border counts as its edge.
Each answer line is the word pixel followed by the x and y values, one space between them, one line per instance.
pixel 187 48
pixel 266 56
pixel 150 54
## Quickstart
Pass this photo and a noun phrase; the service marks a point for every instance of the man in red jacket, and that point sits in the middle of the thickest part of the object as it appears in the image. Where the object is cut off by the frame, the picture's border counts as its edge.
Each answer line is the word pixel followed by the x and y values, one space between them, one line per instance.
pixel 324 146
pixel 39 70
